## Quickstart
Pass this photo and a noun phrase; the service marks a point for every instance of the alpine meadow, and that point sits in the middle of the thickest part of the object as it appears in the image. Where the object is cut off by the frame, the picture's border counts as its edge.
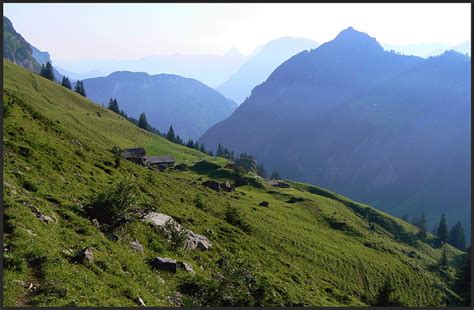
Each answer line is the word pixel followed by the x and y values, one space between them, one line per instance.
pixel 194 155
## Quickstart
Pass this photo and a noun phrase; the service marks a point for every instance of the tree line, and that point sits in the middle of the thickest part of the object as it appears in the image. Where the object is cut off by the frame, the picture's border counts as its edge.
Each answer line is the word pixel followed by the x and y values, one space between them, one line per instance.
pixel 47 71
pixel 454 236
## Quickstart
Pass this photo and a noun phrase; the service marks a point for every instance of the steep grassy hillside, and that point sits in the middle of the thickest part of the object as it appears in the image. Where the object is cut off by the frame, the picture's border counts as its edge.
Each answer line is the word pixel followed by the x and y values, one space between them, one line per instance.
pixel 320 250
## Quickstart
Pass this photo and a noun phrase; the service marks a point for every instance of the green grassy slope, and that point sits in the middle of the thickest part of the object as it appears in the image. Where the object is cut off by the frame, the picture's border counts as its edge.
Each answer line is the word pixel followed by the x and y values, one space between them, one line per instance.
pixel 323 251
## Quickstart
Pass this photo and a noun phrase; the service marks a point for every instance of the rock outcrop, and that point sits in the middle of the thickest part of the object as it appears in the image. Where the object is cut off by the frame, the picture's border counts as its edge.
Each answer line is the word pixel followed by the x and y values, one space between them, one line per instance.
pixel 194 241
pixel 164 263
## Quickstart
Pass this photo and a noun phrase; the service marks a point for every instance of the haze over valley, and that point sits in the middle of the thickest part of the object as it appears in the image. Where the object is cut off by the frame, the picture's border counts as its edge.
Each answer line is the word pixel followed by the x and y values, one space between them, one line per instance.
pixel 236 155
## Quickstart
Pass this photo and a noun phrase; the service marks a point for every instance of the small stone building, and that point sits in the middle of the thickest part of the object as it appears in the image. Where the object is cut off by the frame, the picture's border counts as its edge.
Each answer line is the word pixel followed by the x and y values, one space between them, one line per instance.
pixel 161 162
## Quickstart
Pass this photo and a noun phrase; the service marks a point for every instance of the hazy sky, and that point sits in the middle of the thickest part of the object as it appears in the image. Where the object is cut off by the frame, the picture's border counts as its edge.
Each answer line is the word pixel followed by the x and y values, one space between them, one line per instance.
pixel 126 31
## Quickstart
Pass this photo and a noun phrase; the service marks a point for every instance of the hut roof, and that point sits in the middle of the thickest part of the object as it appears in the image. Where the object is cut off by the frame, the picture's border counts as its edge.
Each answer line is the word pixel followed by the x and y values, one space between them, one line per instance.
pixel 160 160
pixel 134 152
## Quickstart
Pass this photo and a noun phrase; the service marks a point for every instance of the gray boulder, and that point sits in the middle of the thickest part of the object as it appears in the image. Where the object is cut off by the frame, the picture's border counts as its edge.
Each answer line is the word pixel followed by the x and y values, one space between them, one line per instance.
pixel 159 220
pixel 164 263
pixel 212 185
pixel 186 267
pixel 196 241
pixel 84 255
pixel 136 246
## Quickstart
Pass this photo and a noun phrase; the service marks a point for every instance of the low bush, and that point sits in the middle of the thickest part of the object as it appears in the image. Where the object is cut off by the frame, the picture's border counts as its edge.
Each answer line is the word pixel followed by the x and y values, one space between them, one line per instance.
pixel 233 216
pixel 118 204
pixel 176 237
pixel 235 283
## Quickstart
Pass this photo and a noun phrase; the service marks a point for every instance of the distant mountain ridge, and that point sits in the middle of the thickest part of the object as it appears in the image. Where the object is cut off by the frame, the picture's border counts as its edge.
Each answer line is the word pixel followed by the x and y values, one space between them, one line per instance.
pixel 258 67
pixel 188 105
pixel 429 49
pixel 365 122
pixel 210 69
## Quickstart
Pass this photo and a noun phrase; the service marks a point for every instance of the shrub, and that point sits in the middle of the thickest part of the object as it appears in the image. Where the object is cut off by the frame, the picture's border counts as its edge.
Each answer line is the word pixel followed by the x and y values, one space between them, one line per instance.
pixel 233 216
pixel 199 203
pixel 117 156
pixel 29 186
pixel 176 237
pixel 115 205
pixel 235 283
pixel 385 297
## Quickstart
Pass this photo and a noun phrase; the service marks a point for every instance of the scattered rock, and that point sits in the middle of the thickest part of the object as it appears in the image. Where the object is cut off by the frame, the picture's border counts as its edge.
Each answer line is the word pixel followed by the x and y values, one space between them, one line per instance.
pixel 95 222
pixel 84 255
pixel 186 267
pixel 75 141
pixel 227 187
pixel 136 246
pixel 30 232
pixel 164 263
pixel 295 199
pixel 412 254
pixel 176 299
pixel 212 185
pixel 42 217
pixel 181 167
pixel 264 204
pixel 196 241
pixel 280 184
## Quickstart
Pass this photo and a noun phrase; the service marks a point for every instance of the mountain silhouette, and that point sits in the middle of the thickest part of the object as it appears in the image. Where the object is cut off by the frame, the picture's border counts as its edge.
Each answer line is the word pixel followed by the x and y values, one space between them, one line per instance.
pixel 388 129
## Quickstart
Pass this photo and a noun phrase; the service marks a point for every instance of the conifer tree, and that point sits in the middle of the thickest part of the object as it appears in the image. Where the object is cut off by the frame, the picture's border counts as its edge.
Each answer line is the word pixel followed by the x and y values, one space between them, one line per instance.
pixel 405 217
pixel 47 71
pixel 422 226
pixel 179 140
pixel 170 135
pixel 66 83
pixel 113 106
pixel 442 232
pixel 202 148
pixel 196 145
pixel 190 143
pixel 220 150
pixel 456 236
pixel 462 285
pixel 80 88
pixel 142 122
pixel 385 296
pixel 443 261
